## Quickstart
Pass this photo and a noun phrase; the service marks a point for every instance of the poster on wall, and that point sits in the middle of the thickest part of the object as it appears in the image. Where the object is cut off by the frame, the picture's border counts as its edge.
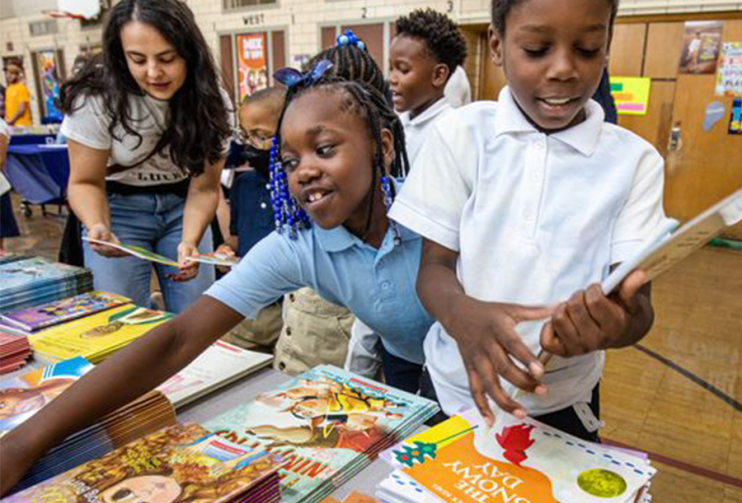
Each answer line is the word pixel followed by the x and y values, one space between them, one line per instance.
pixel 631 94
pixel 252 63
pixel 729 74
pixel 735 121
pixel 49 81
pixel 701 46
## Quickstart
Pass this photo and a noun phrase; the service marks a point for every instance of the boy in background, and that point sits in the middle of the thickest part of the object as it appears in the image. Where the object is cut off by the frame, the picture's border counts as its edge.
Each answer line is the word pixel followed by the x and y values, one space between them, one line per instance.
pixel 424 54
pixel 17 99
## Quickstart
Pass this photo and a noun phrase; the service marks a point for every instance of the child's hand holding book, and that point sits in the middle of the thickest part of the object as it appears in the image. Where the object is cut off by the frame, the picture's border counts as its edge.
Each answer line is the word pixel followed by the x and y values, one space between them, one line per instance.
pixel 591 321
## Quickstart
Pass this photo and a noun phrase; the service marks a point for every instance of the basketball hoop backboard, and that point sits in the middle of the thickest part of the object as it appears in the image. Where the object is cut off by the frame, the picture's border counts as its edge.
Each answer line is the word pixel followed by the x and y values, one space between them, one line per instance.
pixel 85 9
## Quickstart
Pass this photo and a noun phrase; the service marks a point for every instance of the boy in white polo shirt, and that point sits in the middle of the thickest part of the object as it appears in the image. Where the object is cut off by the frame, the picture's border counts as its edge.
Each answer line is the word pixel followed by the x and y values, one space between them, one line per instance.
pixel 425 52
pixel 523 203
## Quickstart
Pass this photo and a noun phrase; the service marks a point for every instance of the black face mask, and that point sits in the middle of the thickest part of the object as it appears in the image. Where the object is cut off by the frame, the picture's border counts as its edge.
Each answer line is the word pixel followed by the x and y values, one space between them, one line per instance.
pixel 258 159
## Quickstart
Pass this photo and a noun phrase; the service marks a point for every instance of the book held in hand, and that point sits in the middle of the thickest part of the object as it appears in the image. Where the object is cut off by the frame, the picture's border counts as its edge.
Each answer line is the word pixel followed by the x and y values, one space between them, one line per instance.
pixel 136 251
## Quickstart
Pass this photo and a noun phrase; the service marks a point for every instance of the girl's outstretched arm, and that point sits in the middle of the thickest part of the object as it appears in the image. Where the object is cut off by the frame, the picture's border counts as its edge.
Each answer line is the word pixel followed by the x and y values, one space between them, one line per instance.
pixel 484 331
pixel 130 373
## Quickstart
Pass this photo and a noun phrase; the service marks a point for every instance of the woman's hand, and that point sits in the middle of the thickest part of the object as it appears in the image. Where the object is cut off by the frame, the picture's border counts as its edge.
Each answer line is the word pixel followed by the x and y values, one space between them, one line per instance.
pixel 188 268
pixel 225 249
pixel 103 233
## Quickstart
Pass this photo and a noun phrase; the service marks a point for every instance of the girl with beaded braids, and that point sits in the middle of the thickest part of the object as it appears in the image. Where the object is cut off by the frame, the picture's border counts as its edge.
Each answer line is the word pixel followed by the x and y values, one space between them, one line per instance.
pixel 335 147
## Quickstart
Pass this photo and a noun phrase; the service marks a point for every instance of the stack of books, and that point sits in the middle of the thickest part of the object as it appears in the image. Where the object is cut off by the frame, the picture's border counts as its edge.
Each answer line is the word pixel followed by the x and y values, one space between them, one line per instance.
pixel 218 366
pixel 6 257
pixel 14 351
pixel 95 337
pixel 328 425
pixel 61 311
pixel 179 463
pixel 29 393
pixel 462 460
pixel 30 281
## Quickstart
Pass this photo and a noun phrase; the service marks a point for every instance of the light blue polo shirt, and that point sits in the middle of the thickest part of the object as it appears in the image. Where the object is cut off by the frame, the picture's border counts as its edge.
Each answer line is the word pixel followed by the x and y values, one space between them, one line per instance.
pixel 378 286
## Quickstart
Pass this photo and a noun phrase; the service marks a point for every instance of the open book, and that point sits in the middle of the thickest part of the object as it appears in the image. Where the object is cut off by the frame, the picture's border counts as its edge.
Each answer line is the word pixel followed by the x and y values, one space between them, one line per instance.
pixel 135 251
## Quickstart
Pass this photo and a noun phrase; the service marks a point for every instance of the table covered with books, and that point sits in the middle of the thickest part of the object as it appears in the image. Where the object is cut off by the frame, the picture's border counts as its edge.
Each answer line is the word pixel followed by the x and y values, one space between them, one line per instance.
pixel 227 428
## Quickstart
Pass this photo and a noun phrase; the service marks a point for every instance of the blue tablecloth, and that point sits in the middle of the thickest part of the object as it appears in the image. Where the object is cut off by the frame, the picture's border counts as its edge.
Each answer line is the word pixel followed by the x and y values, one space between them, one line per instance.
pixel 31 139
pixel 39 173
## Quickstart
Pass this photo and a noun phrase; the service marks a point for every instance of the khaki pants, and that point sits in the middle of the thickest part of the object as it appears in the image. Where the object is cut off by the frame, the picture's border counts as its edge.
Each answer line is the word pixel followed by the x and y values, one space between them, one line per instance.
pixel 259 334
pixel 314 332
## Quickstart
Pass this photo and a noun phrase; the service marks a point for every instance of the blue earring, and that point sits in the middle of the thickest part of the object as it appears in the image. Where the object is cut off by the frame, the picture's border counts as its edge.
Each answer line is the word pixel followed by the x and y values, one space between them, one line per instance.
pixel 386 189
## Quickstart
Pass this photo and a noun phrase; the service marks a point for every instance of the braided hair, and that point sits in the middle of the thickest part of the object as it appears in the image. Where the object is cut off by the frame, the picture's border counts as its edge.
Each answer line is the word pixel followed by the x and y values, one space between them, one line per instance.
pixel 371 106
pixel 351 62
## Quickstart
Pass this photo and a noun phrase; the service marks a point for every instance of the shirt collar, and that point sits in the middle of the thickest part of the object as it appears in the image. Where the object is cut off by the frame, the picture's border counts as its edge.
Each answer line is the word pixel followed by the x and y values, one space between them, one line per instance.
pixel 583 137
pixel 340 239
pixel 430 113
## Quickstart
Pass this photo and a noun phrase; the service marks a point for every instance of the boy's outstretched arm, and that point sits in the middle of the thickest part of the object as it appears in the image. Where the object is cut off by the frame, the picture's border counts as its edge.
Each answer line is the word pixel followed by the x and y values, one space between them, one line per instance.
pixel 484 331
pixel 130 373
pixel 591 321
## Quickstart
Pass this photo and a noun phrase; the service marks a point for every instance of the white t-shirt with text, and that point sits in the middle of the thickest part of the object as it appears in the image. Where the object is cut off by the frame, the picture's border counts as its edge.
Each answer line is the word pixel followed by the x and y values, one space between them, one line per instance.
pixel 88 125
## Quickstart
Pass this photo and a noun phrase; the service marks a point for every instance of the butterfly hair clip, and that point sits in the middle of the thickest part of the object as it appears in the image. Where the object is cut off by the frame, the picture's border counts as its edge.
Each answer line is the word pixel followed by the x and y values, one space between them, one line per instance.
pixel 291 77
pixel 350 38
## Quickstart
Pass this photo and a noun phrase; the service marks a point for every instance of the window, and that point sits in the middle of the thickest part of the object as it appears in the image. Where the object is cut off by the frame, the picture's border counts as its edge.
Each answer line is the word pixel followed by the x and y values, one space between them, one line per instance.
pixel 230 5
pixel 38 28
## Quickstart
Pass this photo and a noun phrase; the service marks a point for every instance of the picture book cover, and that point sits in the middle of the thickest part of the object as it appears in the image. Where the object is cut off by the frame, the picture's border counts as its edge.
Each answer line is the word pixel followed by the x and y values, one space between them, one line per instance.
pixel 97 336
pixel 219 365
pixel 21 397
pixel 462 460
pixel 25 272
pixel 136 251
pixel 220 259
pixel 322 422
pixel 60 311
pixel 178 464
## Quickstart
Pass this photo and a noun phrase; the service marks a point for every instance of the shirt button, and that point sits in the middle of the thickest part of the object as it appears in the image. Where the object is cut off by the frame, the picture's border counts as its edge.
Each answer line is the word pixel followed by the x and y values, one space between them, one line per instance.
pixel 281 366
pixel 268 186
pixel 539 144
pixel 288 331
pixel 291 297
pixel 385 284
pixel 263 205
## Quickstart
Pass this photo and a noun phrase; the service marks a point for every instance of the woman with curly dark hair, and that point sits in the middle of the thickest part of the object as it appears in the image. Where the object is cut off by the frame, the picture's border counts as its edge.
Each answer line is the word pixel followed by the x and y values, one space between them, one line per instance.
pixel 148 126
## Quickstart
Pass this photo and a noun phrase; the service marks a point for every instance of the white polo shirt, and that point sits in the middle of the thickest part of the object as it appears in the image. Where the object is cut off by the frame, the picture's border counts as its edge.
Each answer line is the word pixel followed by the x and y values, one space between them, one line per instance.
pixel 416 130
pixel 534 218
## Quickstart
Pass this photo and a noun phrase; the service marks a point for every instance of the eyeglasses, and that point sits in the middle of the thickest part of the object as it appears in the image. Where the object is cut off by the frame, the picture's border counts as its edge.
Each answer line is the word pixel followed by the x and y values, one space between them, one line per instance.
pixel 254 139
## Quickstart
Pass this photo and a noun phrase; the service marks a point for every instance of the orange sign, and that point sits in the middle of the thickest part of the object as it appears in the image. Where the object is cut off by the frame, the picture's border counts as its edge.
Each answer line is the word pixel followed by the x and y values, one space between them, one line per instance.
pixel 252 63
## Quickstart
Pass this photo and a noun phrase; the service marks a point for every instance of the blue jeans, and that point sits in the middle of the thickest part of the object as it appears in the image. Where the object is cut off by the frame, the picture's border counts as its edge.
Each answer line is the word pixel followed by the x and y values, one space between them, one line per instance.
pixel 154 222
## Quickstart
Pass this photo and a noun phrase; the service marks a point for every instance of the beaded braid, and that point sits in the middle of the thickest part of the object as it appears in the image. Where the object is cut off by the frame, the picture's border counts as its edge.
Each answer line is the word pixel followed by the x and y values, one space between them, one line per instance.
pixel 378 114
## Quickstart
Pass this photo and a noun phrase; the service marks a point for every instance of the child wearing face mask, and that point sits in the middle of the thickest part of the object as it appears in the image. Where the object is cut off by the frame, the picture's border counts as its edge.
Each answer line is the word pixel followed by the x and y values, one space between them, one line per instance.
pixel 522 204
pixel 338 142
pixel 250 211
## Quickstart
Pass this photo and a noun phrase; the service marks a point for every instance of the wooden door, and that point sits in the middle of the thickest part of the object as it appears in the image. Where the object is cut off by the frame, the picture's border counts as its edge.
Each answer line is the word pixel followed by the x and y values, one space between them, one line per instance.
pixel 708 164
